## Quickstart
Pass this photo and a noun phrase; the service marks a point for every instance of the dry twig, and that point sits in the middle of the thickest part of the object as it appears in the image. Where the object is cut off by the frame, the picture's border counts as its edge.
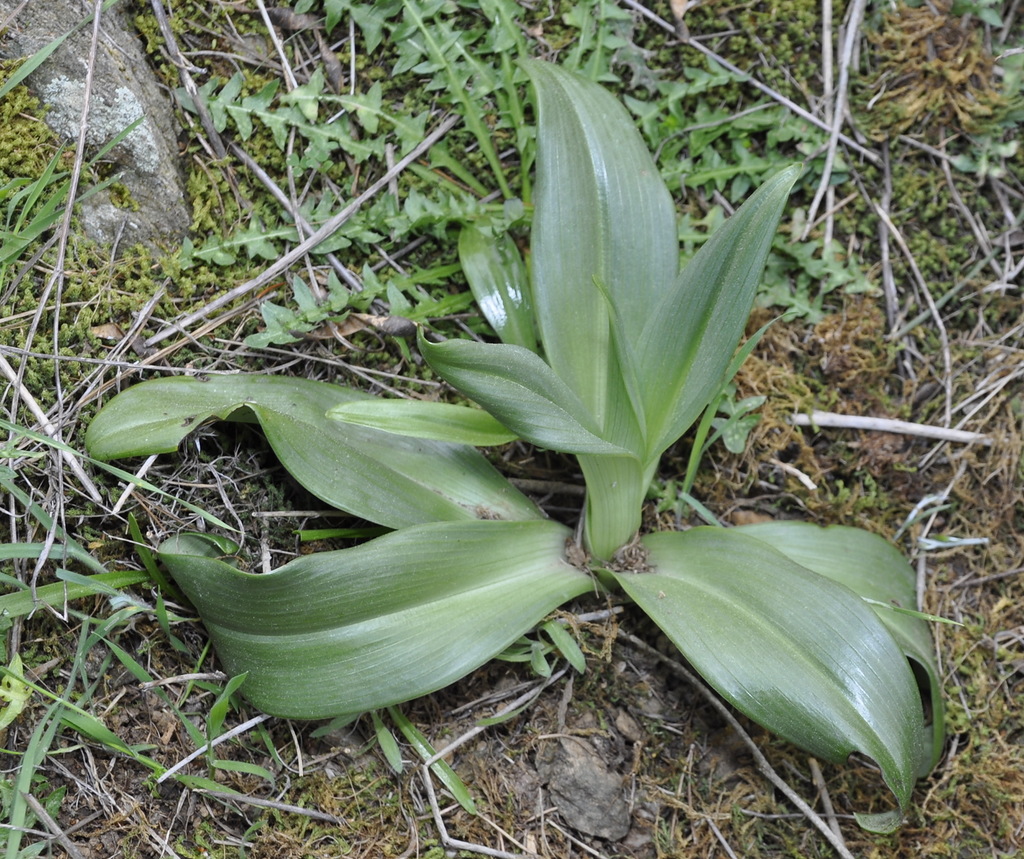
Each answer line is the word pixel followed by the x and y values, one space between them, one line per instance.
pixel 442 829
pixel 853 21
pixel 271 803
pixel 830 419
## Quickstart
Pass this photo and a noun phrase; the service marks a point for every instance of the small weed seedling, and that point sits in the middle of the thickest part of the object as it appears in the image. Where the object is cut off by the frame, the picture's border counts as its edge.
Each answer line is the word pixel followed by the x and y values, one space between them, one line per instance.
pixel 610 352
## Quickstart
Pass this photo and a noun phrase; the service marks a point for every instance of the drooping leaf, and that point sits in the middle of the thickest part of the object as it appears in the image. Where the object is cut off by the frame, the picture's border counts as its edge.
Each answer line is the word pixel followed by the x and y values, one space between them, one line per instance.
pixel 873 568
pixel 692 330
pixel 362 628
pixel 379 476
pixel 797 652
pixel 500 283
pixel 521 391
pixel 421 419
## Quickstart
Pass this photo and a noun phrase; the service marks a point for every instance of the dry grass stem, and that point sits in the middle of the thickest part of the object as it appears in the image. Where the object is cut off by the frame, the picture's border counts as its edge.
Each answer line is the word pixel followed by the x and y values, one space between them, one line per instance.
pixel 926 298
pixel 59 835
pixel 202 750
pixel 826 801
pixel 50 429
pixel 185 68
pixel 442 829
pixel 851 33
pixel 834 421
pixel 258 802
pixel 293 211
pixel 519 703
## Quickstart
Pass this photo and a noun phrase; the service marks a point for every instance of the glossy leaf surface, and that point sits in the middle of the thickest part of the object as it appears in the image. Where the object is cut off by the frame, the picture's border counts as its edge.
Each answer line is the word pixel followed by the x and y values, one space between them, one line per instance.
pixel 379 476
pixel 521 391
pixel 691 332
pixel 603 230
pixel 358 629
pixel 420 419
pixel 500 283
pixel 871 567
pixel 797 652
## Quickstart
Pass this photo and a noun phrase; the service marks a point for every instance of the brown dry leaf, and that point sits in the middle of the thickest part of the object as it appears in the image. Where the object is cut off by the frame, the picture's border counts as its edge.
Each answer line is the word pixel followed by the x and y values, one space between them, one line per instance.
pixel 393 326
pixel 107 331
pixel 286 19
pixel 352 324
pixel 749 517
pixel 332 65
pixel 679 8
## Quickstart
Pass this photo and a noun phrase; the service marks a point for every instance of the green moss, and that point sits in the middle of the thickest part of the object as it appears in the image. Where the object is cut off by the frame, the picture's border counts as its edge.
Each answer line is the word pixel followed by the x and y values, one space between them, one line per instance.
pixel 121 196
pixel 27 145
pixel 931 75
pixel 769 39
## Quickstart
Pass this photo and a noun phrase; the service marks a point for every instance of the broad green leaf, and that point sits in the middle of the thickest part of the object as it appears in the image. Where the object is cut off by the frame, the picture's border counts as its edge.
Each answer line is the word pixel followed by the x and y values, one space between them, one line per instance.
pixel 691 331
pixel 420 419
pixel 362 628
pixel 500 283
pixel 797 652
pixel 388 479
pixel 602 216
pixel 521 391
pixel 873 568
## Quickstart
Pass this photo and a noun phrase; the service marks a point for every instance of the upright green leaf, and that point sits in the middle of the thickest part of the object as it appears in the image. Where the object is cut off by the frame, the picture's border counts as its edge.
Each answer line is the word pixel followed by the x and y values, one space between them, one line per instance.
pixel 603 215
pixel 500 283
pixel 797 652
pixel 386 478
pixel 691 331
pixel 358 629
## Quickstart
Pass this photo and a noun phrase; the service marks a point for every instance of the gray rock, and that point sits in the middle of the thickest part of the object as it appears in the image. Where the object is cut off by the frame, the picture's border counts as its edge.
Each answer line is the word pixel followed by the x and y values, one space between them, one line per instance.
pixel 587 792
pixel 124 89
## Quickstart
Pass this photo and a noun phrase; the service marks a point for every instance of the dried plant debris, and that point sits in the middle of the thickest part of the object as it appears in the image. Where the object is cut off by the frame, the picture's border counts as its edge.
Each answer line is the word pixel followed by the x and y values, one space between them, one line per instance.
pixel 931 75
